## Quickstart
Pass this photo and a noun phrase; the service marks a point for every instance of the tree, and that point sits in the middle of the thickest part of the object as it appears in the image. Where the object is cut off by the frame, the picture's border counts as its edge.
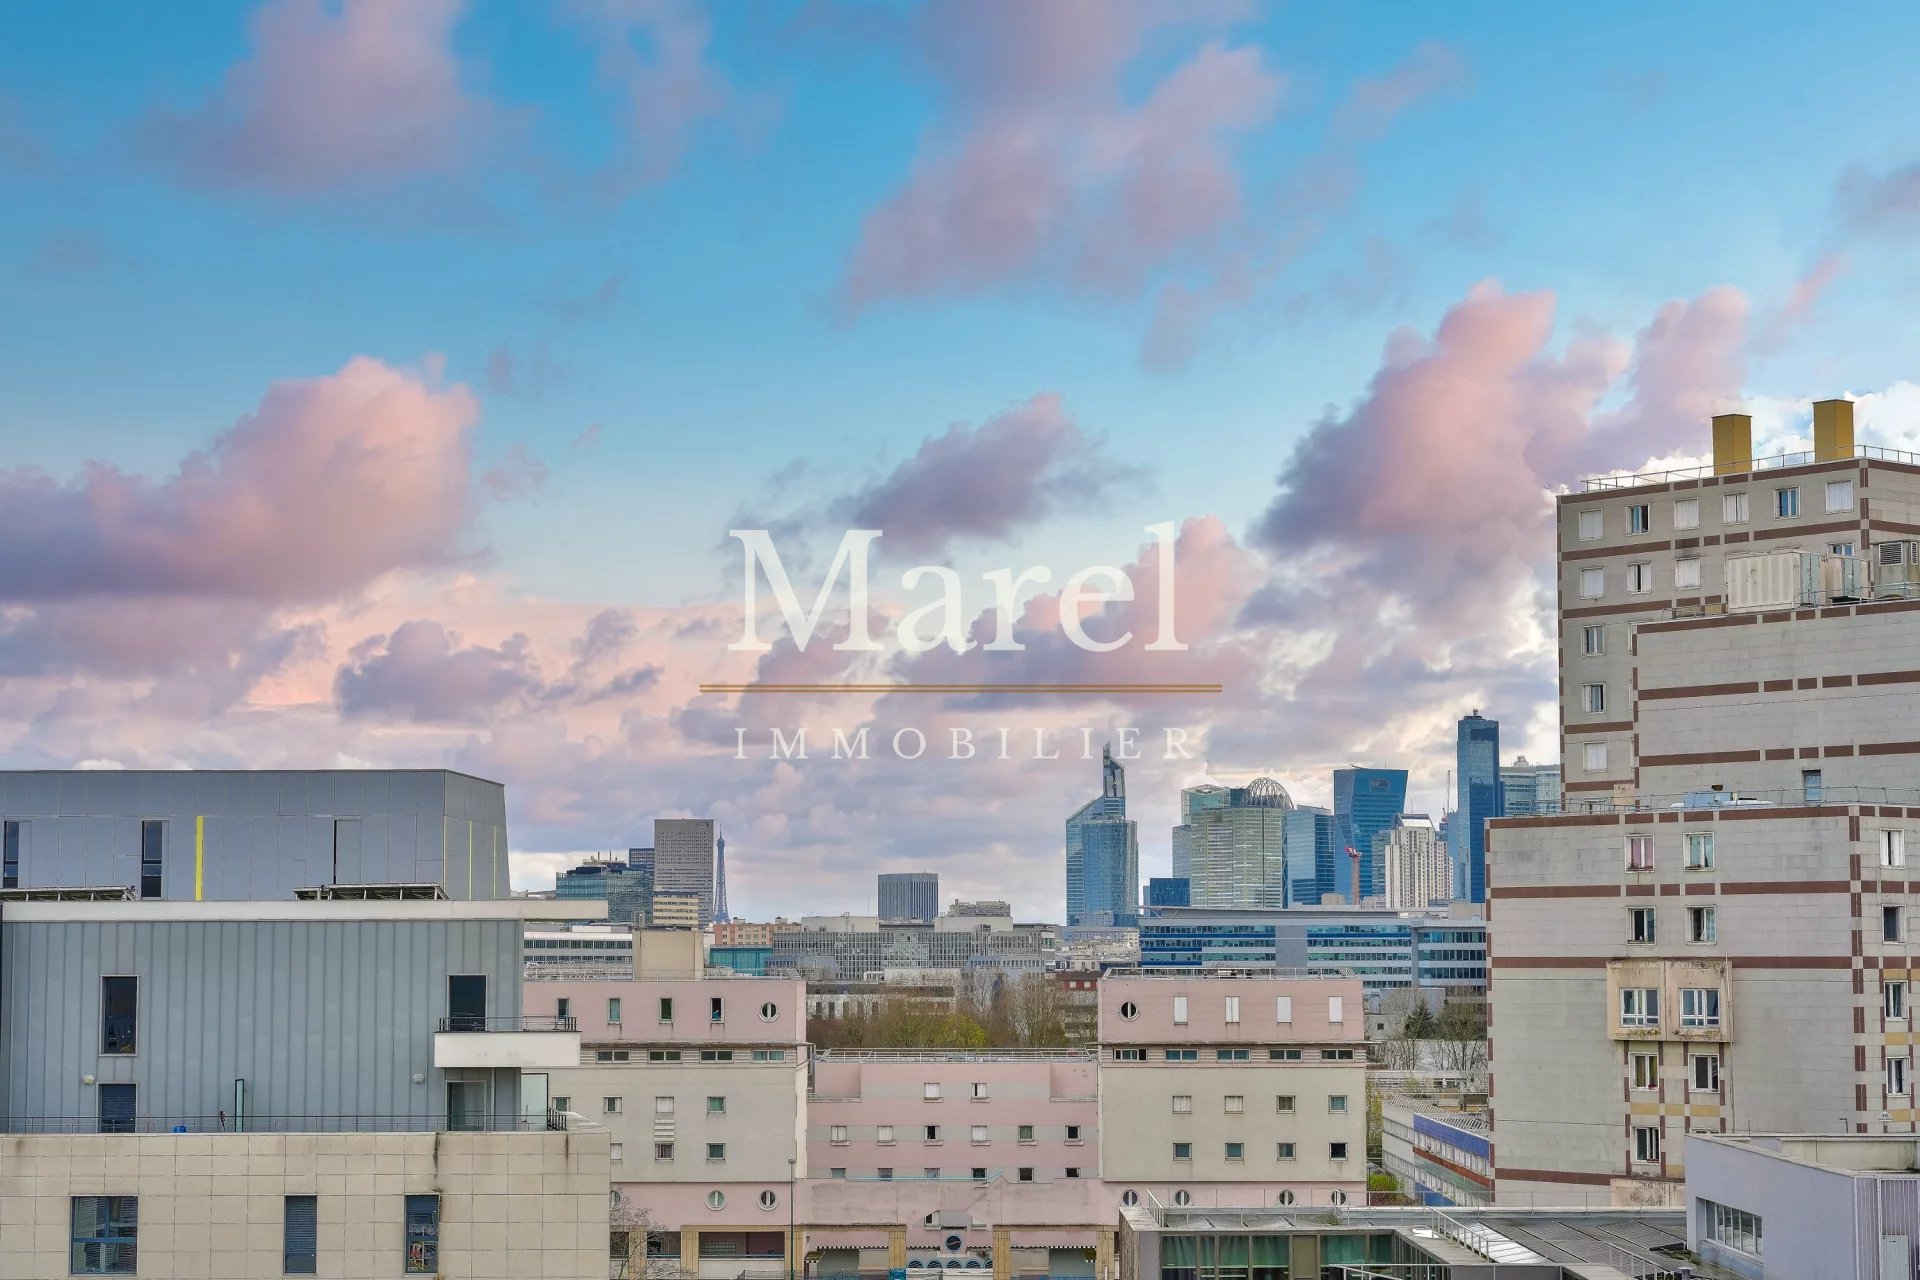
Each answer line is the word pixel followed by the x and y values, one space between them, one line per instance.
pixel 630 1229
pixel 1419 1022
pixel 1460 1035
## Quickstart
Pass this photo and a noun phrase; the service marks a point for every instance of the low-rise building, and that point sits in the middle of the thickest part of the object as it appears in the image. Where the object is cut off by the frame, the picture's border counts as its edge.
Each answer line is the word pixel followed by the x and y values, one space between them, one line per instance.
pixel 1439 1148
pixel 1443 950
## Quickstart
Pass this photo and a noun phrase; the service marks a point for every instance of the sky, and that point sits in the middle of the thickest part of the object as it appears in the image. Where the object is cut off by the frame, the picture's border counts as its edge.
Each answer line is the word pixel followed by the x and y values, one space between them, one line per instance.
pixel 379 382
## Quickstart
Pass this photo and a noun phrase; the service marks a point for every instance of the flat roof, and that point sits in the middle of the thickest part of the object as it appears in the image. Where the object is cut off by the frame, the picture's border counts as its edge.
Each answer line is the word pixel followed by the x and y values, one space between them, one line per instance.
pixel 302 910
pixel 123 772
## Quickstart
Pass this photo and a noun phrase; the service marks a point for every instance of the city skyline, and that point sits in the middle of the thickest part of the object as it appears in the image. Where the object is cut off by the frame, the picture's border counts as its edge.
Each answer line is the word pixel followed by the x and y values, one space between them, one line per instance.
pixel 383 381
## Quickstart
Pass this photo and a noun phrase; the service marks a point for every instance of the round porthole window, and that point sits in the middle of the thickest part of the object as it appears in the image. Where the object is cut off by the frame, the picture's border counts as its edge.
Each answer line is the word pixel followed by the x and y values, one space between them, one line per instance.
pixel 1339 1197
pixel 954 1244
pixel 767 1199
pixel 769 1011
pixel 1182 1198
pixel 1129 1011
pixel 716 1199
pixel 1129 1198
pixel 1286 1197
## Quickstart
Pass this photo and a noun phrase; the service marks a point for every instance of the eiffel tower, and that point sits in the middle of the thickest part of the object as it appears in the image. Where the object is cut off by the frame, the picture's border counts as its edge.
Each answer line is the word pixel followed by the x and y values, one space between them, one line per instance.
pixel 720 881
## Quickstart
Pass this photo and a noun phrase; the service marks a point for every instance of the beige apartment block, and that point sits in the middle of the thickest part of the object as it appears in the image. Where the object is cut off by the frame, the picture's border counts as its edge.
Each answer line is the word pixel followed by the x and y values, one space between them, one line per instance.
pixel 1715 936
pixel 511 1205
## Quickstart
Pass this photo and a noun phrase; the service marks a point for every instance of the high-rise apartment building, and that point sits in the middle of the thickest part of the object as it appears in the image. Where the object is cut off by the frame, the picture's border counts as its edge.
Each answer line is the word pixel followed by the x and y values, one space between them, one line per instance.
pixel 909 895
pixel 1239 843
pixel 1103 854
pixel 1720 933
pixel 1316 868
pixel 1365 803
pixel 1477 775
pixel 685 860
pixel 1529 788
pixel 1419 872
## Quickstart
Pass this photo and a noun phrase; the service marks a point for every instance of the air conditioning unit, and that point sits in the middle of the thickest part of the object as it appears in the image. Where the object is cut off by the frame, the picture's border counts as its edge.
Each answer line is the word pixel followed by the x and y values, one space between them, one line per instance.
pixel 1843 578
pixel 1896 570
pixel 1772 580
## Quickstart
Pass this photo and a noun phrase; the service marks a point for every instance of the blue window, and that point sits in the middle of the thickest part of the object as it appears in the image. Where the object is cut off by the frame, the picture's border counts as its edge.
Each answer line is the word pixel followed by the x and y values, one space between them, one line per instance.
pixel 9 855
pixel 119 1012
pixel 152 836
pixel 301 1251
pixel 423 1235
pixel 116 1108
pixel 106 1232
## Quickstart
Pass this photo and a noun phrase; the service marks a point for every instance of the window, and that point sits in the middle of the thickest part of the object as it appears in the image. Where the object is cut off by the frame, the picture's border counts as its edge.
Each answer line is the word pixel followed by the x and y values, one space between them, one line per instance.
pixel 1646 1144
pixel 1283 1008
pixel 1073 1133
pixel 768 1200
pixel 1595 640
pixel 1026 1175
pixel 613 1009
pixel 1699 1006
pixel 1646 1070
pixel 979 1136
pixel 1843 549
pixel 769 1055
pixel 716 1055
pixel 716 1106
pixel 611 1106
pixel 931 1133
pixel 119 1013
pixel 1686 573
pixel 666 1008
pixel 1179 1011
pixel 1337 1103
pixel 1285 1197
pixel 1700 924
pixel 1811 785
pixel 1283 1104
pixel 1596 698
pixel 1182 1103
pixel 1786 502
pixel 1896 1076
pixel 1593 583
pixel 931 1175
pixel 1283 1151
pixel 152 840
pixel 612 1055
pixel 1893 1000
pixel 1732 1228
pixel 9 855
pixel 1639 853
pixel 1073 1171
pixel 1637 518
pixel 885 1175
pixel 299 1255
pixel 1839 495
pixel 1183 1151
pixel 663 1055
pixel 1893 848
pixel 883 1134
pixel 979 1089
pixel 1594 757
pixel 1890 924
pixel 1026 1133
pixel 1733 508
pixel 1232 1055
pixel 716 1152
pixel 563 1008
pixel 1336 1151
pixel 1128 1055
pixel 562 1104
pixel 1700 851
pixel 1284 1055
pixel 837 1135
pixel 1686 513
pixel 663 1106
pixel 1129 1011
pixel 1336 1009
pixel 1233 1008
pixel 769 1011
pixel 423 1235
pixel 1592 525
pixel 1336 1055
pixel 717 1199
pixel 1639 578
pixel 663 1151
pixel 1704 1072
pixel 1639 1007
pixel 1235 1103
pixel 106 1232
pixel 716 1009
pixel 116 1108
pixel 616 1151
pixel 836 1173
pixel 1183 1055
pixel 1236 1150
pixel 979 1173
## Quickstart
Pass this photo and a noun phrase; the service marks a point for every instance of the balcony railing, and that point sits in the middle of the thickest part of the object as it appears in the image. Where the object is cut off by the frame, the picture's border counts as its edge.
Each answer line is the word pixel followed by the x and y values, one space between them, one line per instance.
pixel 512 1022
pixel 1742 799
pixel 223 1123
pixel 1774 462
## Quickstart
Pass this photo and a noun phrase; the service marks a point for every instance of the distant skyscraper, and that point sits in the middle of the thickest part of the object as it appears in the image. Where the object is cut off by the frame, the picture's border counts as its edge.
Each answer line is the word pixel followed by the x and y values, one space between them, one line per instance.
pixel 1419 872
pixel 1478 778
pixel 1313 869
pixel 720 879
pixel 1168 891
pixel 1365 803
pixel 685 852
pixel 1103 854
pixel 909 895
pixel 1239 844
pixel 1182 852
pixel 1529 788
pixel 626 889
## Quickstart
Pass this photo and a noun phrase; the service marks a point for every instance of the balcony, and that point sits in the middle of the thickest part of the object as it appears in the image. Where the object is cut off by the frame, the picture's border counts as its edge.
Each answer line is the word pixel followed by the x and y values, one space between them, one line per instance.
pixel 528 1043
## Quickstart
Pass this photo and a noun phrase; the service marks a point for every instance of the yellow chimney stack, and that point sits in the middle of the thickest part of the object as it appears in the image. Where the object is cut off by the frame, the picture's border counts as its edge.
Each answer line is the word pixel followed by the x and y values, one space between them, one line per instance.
pixel 1832 429
pixel 1733 443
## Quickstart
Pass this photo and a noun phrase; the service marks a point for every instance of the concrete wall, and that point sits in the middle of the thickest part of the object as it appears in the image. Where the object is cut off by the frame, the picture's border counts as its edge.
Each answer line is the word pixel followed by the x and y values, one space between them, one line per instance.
pixel 742 1022
pixel 511 1204
pixel 764 1109
pixel 1807 1213
pixel 1310 1010
pixel 242 835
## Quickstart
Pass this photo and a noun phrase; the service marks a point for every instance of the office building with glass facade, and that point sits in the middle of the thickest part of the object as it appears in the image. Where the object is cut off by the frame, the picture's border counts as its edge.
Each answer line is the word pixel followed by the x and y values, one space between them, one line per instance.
pixel 1103 855
pixel 1386 950
pixel 1238 838
pixel 1477 759
pixel 1365 803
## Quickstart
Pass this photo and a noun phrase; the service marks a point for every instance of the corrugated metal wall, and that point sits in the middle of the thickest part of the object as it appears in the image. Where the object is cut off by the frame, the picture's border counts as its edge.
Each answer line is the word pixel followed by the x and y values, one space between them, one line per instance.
pixel 261 835
pixel 321 1018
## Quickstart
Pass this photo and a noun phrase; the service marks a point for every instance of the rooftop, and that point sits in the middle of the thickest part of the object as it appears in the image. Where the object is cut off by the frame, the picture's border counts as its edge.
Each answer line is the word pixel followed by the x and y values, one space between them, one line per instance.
pixel 1705 470
pixel 1845 1153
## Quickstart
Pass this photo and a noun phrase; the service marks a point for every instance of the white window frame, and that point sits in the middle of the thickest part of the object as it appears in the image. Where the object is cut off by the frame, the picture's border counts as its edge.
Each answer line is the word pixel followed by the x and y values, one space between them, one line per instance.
pixel 1893 848
pixel 883 1134
pixel 663 1105
pixel 1703 924
pixel 1694 1082
pixel 1787 495
pixel 1843 491
pixel 1593 639
pixel 1846 550
pixel 1336 1009
pixel 1596 699
pixel 930 1091
pixel 611 1106
pixel 1639 577
pixel 1593 757
pixel 978 1136
pixel 980 1089
pixel 1699 851
pixel 1686 513
pixel 1706 1002
pixel 1642 925
pixel 1593 584
pixel 1646 1144
pixel 1179 1011
pixel 1734 508
pixel 1639 1006
pixel 1591 525
pixel 1233 1008
pixel 837 1135
pixel 1639 517
pixel 1644 1075
pixel 1897 1077
pixel 1893 1000
pixel 1182 1104
pixel 1637 844
pixel 1283 1104
pixel 1892 915
pixel 1686 573
pixel 1235 1103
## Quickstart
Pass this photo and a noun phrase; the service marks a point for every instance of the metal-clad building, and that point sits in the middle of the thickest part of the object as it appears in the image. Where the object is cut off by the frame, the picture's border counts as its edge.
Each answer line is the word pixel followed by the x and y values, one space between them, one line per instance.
pixel 909 895
pixel 253 835
pixel 327 1011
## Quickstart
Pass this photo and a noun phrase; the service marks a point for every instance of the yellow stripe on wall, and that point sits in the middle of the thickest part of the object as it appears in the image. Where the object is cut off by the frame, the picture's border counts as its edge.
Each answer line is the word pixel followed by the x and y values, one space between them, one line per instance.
pixel 199 854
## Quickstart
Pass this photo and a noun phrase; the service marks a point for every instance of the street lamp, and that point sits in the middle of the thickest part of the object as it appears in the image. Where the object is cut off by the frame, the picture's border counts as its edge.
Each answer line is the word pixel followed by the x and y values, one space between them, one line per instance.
pixel 790 1167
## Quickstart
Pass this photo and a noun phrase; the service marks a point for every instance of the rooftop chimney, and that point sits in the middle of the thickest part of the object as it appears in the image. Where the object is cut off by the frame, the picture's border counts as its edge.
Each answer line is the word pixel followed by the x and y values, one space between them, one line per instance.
pixel 1732 443
pixel 1832 429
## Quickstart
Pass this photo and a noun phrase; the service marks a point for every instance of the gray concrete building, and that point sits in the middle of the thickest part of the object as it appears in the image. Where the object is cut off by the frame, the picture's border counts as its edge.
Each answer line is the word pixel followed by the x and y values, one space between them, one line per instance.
pixel 195 835
pixel 1717 933
pixel 909 895
pixel 685 856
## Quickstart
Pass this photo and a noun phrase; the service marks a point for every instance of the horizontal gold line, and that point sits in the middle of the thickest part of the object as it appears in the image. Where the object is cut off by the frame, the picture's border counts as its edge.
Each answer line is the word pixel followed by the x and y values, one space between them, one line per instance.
pixel 961 688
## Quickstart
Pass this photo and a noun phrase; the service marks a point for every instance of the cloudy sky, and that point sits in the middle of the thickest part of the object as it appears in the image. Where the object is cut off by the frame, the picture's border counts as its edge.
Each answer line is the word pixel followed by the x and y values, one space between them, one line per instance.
pixel 379 381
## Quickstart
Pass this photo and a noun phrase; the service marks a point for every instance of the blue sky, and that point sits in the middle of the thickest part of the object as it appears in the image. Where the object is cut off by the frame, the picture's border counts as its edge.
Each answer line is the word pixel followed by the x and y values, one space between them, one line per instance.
pixel 1618 157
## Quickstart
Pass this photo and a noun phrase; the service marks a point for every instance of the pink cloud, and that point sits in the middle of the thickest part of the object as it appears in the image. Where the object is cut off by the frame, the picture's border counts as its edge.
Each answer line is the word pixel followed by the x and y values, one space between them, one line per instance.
pixel 654 55
pixel 331 96
pixel 1805 298
pixel 1376 102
